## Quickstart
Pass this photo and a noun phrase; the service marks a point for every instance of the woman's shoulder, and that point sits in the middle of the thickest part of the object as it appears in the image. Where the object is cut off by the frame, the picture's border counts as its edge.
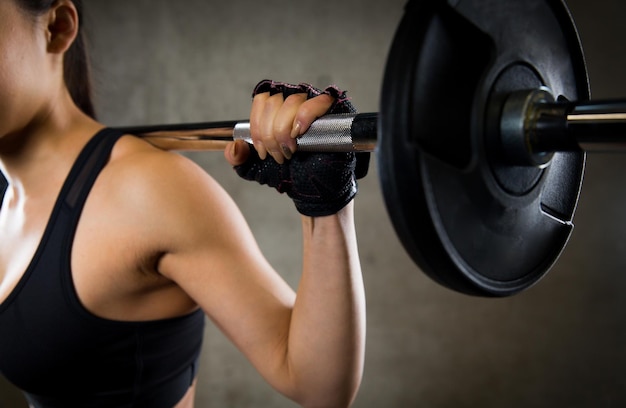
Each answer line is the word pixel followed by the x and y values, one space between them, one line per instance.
pixel 135 161
pixel 145 177
pixel 163 192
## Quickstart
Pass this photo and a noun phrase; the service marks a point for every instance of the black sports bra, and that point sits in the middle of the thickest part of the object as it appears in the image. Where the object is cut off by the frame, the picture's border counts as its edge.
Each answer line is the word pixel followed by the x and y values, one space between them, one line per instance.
pixel 61 355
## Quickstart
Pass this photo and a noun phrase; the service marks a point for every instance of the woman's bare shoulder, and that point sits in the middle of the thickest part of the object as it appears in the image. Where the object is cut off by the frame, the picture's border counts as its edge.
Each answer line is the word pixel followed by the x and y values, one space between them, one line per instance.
pixel 152 185
pixel 181 211
pixel 136 164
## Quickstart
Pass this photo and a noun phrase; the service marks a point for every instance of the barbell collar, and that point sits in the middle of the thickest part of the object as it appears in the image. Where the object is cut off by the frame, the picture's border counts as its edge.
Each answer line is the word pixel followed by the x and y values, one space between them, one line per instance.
pixel 519 125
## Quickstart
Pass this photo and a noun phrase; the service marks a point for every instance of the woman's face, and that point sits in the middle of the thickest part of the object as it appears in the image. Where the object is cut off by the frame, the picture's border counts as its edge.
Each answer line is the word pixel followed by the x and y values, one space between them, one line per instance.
pixel 25 71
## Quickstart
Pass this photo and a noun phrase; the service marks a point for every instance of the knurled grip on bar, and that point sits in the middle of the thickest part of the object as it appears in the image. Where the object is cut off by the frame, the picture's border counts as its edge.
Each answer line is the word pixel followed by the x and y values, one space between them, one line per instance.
pixel 330 133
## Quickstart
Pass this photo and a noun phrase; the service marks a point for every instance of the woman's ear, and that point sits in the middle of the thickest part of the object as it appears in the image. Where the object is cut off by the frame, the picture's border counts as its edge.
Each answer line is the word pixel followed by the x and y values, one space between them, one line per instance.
pixel 62 26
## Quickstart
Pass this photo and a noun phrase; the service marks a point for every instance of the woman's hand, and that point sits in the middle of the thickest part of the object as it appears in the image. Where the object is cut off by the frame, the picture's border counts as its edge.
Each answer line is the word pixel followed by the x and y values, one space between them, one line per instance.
pixel 276 122
pixel 319 184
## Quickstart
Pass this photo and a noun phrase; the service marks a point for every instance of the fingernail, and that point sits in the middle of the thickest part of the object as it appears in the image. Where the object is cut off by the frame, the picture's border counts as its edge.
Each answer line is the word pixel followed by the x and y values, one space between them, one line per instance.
pixel 295 132
pixel 233 150
pixel 260 149
pixel 278 158
pixel 287 151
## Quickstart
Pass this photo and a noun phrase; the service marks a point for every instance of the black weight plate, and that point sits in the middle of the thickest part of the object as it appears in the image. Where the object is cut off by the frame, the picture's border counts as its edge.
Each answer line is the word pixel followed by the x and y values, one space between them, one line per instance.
pixel 468 219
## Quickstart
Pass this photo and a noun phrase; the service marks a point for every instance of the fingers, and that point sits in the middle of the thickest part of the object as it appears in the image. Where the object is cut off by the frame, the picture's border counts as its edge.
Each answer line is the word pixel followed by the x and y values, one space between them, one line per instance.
pixel 284 122
pixel 275 123
pixel 262 114
pixel 309 111
pixel 237 152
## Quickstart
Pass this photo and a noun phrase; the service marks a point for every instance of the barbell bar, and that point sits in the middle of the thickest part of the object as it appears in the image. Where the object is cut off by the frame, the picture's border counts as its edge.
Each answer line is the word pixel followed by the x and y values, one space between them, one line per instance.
pixel 331 133
pixel 533 126
pixel 485 117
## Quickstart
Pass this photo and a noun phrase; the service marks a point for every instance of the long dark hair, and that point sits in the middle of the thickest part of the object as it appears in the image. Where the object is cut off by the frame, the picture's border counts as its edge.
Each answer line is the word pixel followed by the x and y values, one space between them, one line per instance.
pixel 76 69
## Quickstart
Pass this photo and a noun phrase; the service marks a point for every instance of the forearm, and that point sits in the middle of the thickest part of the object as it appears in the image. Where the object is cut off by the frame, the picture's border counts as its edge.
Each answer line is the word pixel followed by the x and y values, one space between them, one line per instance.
pixel 311 347
pixel 327 333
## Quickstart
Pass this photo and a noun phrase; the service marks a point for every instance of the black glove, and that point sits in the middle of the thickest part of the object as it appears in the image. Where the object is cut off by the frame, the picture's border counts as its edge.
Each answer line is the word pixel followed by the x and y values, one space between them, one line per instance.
pixel 319 184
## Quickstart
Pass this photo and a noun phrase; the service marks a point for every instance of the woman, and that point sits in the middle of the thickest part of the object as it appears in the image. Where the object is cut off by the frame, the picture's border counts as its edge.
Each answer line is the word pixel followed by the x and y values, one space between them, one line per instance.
pixel 112 251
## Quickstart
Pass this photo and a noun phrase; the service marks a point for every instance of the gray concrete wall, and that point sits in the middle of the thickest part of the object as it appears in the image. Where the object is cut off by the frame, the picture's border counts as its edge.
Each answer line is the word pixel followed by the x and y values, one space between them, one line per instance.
pixel 560 344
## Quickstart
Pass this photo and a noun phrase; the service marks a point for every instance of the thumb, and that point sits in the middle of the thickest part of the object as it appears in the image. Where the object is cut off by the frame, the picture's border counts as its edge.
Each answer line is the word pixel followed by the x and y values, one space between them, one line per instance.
pixel 237 152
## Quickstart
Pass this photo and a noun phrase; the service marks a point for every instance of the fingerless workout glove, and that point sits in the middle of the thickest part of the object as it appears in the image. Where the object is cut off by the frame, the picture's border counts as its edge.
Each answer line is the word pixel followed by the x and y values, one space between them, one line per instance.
pixel 319 184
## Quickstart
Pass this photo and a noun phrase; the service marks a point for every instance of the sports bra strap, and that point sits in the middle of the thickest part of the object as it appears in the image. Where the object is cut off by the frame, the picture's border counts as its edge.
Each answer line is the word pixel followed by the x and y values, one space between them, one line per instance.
pixel 91 160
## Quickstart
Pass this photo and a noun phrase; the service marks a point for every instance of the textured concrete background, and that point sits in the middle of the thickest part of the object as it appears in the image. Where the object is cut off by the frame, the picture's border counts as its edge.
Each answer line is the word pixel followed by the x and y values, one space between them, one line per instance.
pixel 560 344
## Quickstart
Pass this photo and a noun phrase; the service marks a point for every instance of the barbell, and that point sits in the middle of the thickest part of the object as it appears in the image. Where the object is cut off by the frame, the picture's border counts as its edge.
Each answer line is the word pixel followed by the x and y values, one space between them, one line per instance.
pixel 485 118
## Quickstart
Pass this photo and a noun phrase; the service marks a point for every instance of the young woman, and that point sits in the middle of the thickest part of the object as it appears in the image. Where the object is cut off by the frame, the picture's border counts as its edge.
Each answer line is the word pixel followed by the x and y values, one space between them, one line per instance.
pixel 112 252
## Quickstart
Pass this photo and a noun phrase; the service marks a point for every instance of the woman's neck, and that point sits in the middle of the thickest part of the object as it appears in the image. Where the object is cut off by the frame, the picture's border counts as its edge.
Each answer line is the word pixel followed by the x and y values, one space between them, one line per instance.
pixel 47 145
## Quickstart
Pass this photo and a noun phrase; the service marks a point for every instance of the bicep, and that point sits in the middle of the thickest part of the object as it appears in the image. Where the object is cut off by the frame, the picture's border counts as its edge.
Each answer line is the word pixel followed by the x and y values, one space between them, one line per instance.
pixel 212 255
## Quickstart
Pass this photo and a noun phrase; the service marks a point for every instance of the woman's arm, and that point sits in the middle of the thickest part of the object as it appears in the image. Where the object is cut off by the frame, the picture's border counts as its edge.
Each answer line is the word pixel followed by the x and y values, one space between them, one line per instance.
pixel 327 335
pixel 309 345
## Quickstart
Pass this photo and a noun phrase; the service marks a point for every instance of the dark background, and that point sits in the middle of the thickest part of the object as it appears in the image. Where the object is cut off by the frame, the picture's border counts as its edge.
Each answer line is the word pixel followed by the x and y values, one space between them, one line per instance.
pixel 560 344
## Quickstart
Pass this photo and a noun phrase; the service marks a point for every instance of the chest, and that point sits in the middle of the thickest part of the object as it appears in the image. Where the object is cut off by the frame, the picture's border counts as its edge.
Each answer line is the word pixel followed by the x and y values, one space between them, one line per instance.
pixel 22 225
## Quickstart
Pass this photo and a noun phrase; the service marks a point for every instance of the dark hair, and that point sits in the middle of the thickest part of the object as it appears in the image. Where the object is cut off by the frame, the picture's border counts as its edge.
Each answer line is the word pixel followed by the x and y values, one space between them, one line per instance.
pixel 76 70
